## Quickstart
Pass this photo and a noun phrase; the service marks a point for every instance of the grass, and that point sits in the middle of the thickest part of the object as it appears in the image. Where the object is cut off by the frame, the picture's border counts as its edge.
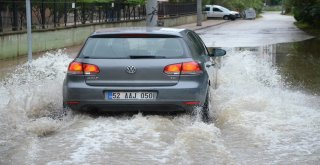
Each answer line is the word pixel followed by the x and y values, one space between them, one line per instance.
pixel 314 31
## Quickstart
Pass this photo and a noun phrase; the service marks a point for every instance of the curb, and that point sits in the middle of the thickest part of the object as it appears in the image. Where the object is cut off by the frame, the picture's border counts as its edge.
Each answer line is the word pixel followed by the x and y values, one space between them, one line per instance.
pixel 204 27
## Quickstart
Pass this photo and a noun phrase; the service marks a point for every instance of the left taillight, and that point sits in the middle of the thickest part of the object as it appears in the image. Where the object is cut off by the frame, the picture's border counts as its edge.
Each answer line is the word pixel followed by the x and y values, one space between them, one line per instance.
pixel 90 69
pixel 81 68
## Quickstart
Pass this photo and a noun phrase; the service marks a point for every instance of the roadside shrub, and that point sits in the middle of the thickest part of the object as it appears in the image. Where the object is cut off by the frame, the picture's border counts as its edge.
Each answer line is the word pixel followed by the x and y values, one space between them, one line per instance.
pixel 307 11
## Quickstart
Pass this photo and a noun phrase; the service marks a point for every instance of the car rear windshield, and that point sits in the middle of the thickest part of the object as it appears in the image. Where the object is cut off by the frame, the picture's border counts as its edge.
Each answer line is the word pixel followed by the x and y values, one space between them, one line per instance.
pixel 115 48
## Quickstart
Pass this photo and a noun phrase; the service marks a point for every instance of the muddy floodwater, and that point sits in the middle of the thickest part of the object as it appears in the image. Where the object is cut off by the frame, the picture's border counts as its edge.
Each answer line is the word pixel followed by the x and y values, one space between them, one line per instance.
pixel 265 109
pixel 260 116
pixel 299 64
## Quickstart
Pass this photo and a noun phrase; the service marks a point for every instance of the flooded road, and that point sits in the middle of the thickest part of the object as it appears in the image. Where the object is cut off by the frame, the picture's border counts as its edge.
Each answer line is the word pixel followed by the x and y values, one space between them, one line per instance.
pixel 264 110
pixel 299 64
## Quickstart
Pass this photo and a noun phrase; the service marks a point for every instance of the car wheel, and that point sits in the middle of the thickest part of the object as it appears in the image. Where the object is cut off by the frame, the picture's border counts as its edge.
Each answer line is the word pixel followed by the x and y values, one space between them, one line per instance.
pixel 225 17
pixel 205 109
pixel 232 17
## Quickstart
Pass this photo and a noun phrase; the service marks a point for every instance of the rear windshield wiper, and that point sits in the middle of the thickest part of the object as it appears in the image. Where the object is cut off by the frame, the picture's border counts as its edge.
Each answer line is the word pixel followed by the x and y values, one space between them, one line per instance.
pixel 139 57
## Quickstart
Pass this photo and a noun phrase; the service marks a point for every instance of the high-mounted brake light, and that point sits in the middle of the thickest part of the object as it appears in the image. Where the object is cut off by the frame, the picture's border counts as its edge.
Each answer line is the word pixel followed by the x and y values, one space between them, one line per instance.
pixel 185 68
pixel 80 68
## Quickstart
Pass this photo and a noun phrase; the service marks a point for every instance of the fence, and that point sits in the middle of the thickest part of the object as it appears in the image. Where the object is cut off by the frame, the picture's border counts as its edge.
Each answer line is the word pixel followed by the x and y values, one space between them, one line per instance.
pixel 47 15
pixel 50 15
pixel 171 9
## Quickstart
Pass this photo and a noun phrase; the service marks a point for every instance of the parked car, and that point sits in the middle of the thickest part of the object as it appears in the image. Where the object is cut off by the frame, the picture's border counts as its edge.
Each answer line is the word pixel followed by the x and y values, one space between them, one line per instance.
pixel 216 11
pixel 140 69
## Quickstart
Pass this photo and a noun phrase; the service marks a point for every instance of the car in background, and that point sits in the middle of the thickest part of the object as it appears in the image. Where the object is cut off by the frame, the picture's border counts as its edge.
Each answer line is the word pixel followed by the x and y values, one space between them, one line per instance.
pixel 140 69
pixel 216 11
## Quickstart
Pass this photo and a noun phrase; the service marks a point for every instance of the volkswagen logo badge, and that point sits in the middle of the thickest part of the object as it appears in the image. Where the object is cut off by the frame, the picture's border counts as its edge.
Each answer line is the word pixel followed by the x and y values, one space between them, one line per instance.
pixel 131 69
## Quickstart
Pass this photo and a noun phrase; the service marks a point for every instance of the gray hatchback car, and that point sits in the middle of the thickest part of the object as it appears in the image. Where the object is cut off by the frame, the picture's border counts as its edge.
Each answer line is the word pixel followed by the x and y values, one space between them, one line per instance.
pixel 140 69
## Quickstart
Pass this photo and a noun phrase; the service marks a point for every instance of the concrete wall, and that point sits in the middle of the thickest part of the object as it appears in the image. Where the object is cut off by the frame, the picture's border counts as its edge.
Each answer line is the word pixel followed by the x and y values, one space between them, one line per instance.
pixel 15 44
pixel 176 21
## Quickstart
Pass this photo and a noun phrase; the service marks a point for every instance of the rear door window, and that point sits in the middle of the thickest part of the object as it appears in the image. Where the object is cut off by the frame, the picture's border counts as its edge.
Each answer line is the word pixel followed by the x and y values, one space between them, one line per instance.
pixel 133 48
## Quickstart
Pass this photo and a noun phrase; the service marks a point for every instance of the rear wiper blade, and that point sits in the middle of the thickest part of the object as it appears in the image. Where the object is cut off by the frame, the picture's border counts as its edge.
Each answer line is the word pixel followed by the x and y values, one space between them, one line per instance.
pixel 143 56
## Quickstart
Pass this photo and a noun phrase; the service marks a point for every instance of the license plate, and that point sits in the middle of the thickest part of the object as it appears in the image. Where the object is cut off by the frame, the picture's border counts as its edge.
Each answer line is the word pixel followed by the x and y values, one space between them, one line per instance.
pixel 131 95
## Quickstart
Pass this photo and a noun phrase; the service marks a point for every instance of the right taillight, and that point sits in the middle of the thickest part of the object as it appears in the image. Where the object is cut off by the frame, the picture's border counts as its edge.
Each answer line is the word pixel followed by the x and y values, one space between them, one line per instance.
pixel 191 68
pixel 185 68
pixel 81 68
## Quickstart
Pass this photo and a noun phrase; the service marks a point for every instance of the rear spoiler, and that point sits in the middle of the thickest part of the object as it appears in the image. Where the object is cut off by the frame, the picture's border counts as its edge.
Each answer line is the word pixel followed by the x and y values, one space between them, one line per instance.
pixel 134 35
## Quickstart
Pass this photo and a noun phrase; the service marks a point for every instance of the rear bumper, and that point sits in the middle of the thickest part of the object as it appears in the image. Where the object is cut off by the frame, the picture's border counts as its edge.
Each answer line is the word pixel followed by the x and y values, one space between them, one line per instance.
pixel 169 98
pixel 141 107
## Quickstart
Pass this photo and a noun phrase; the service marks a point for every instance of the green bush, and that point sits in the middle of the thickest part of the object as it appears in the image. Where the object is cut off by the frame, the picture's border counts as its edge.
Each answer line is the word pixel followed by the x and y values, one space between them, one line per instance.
pixel 307 11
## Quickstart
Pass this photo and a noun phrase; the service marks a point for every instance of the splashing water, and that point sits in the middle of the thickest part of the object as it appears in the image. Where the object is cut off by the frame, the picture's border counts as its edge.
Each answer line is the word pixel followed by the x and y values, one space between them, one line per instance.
pixel 256 111
pixel 28 97
pixel 31 101
pixel 257 121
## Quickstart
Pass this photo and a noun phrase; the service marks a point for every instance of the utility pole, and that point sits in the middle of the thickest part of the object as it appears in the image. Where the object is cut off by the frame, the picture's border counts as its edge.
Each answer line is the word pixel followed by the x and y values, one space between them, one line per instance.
pixel 28 13
pixel 199 12
pixel 282 7
pixel 152 13
pixel 1 30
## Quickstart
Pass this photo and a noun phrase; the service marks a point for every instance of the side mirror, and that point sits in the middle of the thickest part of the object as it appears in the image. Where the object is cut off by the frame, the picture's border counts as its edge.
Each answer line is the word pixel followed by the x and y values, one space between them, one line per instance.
pixel 217 52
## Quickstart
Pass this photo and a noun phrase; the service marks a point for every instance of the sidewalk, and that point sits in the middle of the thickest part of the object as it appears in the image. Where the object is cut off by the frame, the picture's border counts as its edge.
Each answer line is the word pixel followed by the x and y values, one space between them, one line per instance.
pixel 205 24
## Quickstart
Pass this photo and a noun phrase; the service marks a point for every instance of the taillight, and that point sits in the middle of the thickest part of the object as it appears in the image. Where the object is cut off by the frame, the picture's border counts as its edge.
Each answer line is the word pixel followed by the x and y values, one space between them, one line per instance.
pixel 172 69
pixel 80 68
pixel 191 68
pixel 75 68
pixel 90 69
pixel 183 68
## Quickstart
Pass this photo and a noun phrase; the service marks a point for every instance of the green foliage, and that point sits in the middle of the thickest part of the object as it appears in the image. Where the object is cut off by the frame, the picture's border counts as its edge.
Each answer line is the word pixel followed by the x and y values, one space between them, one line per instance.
pixel 136 2
pixel 238 5
pixel 183 1
pixel 307 11
pixel 94 1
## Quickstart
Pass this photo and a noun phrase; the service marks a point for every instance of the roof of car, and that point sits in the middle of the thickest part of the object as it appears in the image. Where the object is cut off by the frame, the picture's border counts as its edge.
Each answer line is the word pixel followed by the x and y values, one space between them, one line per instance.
pixel 139 30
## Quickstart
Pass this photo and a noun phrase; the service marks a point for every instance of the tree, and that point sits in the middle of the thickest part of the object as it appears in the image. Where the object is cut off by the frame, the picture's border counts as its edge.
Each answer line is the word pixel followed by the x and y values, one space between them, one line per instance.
pixel 307 11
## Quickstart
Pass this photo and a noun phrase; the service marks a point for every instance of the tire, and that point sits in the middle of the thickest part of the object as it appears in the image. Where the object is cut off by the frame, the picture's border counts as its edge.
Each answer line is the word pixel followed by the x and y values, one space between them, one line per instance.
pixel 225 17
pixel 232 17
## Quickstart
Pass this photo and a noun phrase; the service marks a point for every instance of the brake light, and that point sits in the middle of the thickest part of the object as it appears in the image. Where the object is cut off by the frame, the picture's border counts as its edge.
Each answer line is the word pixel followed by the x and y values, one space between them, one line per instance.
pixel 191 68
pixel 173 69
pixel 185 68
pixel 90 69
pixel 80 68
pixel 75 68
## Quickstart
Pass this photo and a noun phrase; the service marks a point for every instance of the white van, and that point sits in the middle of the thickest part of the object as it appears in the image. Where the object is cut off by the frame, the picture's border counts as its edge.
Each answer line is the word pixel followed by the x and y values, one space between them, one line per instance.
pixel 216 11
